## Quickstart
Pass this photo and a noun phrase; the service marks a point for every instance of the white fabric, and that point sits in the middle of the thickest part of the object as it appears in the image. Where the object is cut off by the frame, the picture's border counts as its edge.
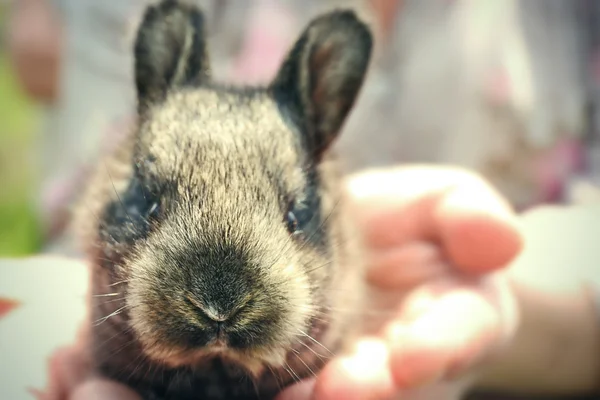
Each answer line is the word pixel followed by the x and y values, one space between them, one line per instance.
pixel 562 248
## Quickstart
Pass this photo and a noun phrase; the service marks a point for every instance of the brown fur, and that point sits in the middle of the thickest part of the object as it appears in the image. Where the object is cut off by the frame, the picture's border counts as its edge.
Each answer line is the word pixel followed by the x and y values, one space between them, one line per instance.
pixel 187 224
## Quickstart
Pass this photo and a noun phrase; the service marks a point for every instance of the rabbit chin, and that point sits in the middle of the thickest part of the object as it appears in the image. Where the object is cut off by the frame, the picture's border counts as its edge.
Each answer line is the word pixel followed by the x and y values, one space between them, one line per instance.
pixel 253 361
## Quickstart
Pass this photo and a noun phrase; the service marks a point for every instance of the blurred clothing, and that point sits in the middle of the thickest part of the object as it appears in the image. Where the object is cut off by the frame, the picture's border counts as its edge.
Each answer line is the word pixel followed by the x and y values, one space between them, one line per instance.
pixel 491 86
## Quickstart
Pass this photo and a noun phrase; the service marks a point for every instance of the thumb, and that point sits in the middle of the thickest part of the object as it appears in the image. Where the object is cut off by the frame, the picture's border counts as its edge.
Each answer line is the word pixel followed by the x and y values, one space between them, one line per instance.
pixel 100 389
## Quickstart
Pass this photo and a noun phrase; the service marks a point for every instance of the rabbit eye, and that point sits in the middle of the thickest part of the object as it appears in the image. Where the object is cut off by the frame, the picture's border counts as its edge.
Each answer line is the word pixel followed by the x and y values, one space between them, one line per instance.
pixel 154 210
pixel 292 222
pixel 297 218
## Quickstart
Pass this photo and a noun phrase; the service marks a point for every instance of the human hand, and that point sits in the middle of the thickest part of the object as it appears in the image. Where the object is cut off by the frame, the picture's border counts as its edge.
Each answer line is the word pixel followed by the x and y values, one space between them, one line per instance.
pixel 427 233
pixel 435 239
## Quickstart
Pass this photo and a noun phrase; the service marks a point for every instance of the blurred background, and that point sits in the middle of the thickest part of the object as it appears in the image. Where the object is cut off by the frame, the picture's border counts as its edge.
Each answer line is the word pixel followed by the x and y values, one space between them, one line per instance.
pixel 507 88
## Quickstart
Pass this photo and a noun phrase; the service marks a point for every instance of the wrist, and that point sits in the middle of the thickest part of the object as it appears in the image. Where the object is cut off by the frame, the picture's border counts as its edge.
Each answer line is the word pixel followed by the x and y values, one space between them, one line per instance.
pixel 556 349
pixel 591 303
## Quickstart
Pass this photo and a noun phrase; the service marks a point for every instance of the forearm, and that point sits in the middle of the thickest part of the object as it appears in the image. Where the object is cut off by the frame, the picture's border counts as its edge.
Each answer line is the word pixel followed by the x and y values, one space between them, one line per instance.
pixel 556 349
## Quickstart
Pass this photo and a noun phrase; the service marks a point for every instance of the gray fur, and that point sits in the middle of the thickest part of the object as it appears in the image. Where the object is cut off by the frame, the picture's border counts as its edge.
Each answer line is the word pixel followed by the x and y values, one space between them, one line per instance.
pixel 189 221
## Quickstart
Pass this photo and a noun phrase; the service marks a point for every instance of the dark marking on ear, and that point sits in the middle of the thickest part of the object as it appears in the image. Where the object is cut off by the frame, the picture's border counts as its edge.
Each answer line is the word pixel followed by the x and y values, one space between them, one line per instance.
pixel 170 50
pixel 319 81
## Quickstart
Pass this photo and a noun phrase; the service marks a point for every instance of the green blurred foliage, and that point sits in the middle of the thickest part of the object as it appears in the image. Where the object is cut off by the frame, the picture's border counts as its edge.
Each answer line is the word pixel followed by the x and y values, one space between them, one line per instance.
pixel 20 230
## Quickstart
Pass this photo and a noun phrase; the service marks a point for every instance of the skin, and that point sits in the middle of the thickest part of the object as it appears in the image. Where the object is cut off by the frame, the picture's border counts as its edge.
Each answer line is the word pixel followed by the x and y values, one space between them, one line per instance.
pixel 447 207
pixel 555 350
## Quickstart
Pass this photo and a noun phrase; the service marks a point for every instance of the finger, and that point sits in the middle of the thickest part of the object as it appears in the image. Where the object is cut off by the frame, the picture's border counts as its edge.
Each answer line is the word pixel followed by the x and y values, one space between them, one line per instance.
pixel 478 232
pixel 475 226
pixel 100 389
pixel 299 391
pixel 405 267
pixel 67 369
pixel 362 375
pixel 453 334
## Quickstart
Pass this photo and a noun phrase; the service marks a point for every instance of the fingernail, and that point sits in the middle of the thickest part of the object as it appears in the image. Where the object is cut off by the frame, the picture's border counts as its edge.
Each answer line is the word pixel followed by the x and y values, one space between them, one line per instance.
pixel 361 375
pixel 368 353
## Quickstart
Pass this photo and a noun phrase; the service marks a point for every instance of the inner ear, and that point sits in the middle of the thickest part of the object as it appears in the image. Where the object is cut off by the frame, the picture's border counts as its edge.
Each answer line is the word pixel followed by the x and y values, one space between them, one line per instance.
pixel 319 81
pixel 170 49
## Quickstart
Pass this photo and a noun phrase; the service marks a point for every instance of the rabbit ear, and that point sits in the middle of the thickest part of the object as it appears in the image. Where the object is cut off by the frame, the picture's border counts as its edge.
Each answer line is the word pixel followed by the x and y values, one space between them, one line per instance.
pixel 319 81
pixel 170 50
